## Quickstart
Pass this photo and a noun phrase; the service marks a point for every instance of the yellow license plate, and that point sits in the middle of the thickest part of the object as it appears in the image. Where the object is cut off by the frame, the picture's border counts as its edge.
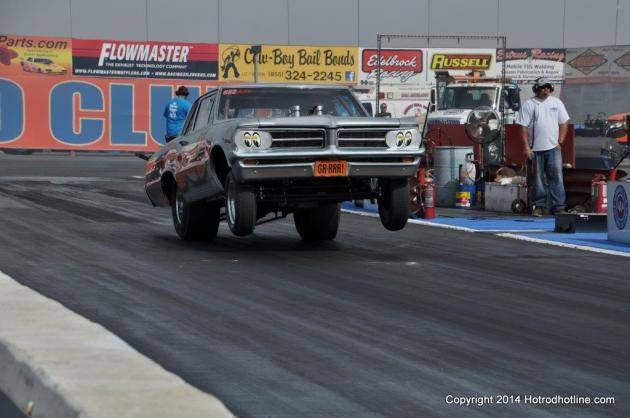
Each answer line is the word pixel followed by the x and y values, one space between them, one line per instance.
pixel 331 168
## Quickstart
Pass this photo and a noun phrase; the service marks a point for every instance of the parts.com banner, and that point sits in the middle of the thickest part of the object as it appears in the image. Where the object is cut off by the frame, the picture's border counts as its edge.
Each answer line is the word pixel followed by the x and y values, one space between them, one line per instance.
pixel 27 55
pixel 278 63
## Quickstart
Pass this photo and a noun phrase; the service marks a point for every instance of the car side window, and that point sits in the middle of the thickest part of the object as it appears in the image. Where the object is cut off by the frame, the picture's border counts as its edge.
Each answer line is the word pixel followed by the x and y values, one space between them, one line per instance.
pixel 190 119
pixel 203 113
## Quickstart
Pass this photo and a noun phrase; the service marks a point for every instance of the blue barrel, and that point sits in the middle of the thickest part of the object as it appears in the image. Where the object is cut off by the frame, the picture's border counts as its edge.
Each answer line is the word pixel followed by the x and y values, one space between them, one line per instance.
pixel 446 162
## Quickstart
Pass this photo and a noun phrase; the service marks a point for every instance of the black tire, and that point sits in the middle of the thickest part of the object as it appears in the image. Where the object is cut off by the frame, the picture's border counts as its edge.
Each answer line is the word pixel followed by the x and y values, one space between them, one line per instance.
pixel 196 221
pixel 240 205
pixel 393 205
pixel 318 224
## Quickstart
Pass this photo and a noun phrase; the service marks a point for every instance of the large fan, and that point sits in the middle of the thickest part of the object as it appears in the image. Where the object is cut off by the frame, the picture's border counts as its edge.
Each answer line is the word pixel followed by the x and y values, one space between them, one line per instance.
pixel 483 125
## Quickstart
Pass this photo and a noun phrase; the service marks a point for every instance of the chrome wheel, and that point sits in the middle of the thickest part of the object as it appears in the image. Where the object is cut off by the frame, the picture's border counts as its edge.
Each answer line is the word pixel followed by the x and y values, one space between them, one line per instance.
pixel 231 204
pixel 179 207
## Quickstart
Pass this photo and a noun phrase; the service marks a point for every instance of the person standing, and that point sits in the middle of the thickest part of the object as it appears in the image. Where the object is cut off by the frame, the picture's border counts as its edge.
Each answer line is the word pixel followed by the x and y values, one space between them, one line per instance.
pixel 383 113
pixel 175 113
pixel 543 121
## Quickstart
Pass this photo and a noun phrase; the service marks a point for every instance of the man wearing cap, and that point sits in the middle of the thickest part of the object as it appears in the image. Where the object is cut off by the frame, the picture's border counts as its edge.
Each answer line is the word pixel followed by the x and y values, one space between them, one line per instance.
pixel 175 113
pixel 383 113
pixel 543 121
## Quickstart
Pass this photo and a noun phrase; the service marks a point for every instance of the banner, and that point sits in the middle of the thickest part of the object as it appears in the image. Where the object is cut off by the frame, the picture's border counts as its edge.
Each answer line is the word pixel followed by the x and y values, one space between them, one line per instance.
pixel 524 65
pixel 70 113
pixel 283 64
pixel 609 64
pixel 164 60
pixel 34 55
pixel 45 105
pixel 398 66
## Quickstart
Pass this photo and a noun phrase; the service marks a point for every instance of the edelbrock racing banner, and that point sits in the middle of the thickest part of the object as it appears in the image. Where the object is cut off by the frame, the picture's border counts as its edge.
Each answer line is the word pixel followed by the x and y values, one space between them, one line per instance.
pixel 398 66
pixel 132 59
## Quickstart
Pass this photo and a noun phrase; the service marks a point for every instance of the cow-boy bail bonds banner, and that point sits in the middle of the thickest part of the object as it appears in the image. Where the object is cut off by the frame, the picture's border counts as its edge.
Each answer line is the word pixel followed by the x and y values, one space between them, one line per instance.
pixel 283 64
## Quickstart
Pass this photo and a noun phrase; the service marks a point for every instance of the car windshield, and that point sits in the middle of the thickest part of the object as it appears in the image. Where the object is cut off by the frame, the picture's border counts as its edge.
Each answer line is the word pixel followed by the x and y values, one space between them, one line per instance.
pixel 43 60
pixel 467 97
pixel 277 102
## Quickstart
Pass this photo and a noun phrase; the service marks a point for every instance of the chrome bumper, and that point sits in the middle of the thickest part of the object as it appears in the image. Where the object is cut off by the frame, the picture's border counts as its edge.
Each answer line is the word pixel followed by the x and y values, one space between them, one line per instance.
pixel 301 170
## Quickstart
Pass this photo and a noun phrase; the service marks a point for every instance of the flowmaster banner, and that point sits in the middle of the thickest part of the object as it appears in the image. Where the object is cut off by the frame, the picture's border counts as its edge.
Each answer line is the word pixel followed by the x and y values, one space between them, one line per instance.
pixel 165 60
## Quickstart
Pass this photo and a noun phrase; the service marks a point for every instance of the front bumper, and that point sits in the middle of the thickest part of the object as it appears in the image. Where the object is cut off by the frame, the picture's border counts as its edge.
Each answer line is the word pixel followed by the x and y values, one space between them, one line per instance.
pixel 302 170
pixel 362 163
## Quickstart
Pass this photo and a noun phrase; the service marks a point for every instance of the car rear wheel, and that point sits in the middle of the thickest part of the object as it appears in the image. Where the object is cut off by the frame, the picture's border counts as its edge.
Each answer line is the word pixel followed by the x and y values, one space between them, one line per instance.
pixel 194 221
pixel 393 205
pixel 240 205
pixel 318 224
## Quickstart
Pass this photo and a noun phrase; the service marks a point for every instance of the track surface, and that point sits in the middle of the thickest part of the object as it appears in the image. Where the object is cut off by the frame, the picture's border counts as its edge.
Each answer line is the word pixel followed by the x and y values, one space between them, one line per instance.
pixel 373 324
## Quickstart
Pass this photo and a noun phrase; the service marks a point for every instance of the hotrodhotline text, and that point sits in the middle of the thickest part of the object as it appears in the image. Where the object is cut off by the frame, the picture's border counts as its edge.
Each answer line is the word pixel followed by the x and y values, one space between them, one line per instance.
pixel 485 400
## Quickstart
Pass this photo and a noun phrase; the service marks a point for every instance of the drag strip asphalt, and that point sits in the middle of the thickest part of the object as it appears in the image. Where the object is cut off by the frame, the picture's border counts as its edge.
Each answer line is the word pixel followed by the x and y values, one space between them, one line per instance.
pixel 373 324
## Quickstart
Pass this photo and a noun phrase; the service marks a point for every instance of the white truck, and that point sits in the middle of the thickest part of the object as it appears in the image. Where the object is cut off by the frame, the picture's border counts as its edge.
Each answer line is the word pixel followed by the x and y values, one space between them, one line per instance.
pixel 454 97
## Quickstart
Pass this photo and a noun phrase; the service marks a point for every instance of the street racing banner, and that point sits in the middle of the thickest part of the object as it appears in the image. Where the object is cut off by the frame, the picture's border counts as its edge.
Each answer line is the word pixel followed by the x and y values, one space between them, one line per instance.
pixel 163 60
pixel 525 65
pixel 288 64
pixel 608 64
pixel 44 106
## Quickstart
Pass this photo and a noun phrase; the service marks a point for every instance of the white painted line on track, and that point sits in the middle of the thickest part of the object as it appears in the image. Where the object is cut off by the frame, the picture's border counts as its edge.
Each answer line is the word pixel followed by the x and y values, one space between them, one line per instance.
pixel 504 233
pixel 415 221
pixel 564 244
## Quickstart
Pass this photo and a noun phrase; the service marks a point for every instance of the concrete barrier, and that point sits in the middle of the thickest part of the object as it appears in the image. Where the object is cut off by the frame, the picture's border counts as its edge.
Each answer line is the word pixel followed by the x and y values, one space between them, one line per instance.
pixel 65 366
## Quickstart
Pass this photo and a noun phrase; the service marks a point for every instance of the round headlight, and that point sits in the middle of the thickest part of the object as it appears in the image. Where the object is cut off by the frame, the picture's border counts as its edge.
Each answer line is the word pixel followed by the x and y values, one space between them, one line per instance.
pixel 403 138
pixel 247 140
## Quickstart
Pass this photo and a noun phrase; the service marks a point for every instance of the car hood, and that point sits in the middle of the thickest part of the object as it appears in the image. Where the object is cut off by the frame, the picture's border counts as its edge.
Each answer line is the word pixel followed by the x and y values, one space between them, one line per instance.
pixel 325 122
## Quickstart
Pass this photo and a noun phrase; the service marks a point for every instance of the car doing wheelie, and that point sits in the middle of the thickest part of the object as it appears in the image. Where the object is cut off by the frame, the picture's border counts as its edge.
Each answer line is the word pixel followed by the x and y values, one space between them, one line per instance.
pixel 248 153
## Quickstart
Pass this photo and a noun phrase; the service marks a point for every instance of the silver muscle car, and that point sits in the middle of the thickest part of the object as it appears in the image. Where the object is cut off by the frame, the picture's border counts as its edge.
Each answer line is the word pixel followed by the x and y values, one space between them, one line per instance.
pixel 265 150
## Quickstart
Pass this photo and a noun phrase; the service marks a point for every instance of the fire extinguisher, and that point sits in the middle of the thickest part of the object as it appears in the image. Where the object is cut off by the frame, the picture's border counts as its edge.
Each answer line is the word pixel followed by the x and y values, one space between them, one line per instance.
pixel 599 200
pixel 428 192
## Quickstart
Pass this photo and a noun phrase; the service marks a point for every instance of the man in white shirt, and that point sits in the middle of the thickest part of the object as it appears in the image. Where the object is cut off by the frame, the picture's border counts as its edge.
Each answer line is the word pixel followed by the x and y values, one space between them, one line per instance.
pixel 543 121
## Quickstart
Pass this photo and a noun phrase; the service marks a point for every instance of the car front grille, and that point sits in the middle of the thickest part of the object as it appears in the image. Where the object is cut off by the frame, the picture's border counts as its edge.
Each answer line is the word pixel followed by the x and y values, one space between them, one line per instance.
pixel 298 138
pixel 362 138
pixel 444 122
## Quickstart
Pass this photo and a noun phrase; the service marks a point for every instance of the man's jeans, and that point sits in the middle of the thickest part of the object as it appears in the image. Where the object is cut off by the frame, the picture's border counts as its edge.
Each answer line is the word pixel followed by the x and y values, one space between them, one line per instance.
pixel 549 166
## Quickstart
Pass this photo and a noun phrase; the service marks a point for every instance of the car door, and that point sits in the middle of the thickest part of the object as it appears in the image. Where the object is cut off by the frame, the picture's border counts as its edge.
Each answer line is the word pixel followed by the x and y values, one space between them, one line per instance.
pixel 193 147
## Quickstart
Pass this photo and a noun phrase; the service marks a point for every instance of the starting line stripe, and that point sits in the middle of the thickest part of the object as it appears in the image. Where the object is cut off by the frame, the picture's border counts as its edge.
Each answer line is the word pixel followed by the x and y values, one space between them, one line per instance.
pixel 415 221
pixel 563 244
pixel 504 234
pixel 446 226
